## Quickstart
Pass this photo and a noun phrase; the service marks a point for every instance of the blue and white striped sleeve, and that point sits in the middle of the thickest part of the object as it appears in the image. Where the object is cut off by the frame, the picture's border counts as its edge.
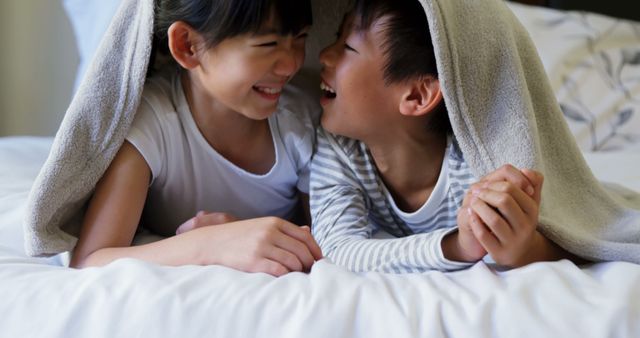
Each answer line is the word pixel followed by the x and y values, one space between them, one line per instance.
pixel 339 210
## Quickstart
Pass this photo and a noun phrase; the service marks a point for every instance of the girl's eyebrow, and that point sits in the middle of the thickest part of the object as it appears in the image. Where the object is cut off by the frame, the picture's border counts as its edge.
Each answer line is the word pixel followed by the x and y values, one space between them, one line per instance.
pixel 266 31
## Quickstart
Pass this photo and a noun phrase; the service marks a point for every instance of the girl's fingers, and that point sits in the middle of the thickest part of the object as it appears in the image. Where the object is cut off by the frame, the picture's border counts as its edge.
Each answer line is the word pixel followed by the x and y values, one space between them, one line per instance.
pixel 297 248
pixel 303 236
pixel 493 220
pixel 270 267
pixel 285 258
pixel 484 236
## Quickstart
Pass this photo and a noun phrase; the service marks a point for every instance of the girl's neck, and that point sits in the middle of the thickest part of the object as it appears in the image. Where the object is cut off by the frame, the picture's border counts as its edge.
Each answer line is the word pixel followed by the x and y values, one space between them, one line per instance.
pixel 245 142
pixel 409 163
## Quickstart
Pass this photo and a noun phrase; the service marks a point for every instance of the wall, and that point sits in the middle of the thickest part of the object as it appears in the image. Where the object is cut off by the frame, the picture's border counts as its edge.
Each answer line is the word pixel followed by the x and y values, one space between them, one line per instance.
pixel 38 63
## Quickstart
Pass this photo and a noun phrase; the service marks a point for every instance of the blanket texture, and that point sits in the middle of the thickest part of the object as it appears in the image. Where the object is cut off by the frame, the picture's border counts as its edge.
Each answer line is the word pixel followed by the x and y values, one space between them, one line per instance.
pixel 500 103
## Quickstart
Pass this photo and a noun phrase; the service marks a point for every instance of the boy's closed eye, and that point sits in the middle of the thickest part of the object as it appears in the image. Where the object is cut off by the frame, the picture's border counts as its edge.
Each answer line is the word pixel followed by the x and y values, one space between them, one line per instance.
pixel 349 48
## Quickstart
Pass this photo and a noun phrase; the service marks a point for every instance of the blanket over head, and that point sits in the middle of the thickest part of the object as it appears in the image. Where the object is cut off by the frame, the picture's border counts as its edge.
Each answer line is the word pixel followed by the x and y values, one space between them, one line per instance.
pixel 500 103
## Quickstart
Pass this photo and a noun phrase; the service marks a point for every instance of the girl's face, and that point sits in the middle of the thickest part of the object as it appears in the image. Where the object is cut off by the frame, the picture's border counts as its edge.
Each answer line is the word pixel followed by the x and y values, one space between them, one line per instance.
pixel 356 98
pixel 246 73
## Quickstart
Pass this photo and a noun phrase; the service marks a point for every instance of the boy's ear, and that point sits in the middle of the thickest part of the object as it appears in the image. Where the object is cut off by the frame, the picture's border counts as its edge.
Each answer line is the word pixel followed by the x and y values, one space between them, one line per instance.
pixel 183 44
pixel 421 96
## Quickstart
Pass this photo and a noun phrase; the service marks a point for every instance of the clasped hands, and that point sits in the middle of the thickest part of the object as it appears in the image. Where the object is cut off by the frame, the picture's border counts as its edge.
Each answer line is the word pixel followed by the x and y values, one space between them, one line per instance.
pixel 499 216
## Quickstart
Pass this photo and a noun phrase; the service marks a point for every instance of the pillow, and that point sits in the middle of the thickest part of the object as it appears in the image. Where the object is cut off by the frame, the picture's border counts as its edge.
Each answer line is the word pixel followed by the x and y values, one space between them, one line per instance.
pixel 89 19
pixel 593 63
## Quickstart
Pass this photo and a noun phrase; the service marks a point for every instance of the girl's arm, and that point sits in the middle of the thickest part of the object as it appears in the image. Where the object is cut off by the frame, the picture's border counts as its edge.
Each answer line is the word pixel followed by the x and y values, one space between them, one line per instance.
pixel 114 210
pixel 268 244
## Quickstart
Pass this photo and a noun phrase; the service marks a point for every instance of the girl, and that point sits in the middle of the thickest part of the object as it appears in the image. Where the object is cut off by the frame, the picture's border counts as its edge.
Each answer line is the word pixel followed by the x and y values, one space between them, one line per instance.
pixel 221 133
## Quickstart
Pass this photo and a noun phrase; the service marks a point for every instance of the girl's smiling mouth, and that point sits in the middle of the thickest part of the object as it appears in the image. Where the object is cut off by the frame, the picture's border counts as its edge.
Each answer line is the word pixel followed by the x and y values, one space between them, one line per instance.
pixel 269 93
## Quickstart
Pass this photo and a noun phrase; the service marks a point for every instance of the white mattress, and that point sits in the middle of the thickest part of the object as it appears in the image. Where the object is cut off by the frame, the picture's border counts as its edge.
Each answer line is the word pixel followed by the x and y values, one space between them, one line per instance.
pixel 130 298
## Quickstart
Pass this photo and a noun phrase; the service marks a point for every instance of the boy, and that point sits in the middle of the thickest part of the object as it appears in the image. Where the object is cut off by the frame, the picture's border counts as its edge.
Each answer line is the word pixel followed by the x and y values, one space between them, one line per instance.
pixel 386 159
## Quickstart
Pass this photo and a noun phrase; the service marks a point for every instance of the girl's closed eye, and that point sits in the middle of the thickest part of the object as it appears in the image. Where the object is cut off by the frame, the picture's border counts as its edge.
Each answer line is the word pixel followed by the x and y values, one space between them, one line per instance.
pixel 267 44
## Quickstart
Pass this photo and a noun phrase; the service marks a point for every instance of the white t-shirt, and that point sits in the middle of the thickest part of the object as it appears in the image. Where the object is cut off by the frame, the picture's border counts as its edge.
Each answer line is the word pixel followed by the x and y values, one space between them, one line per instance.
pixel 188 175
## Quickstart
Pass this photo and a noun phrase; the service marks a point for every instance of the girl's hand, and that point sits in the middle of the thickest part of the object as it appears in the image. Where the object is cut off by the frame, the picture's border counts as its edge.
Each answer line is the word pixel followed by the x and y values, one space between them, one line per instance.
pixel 270 245
pixel 507 215
pixel 205 218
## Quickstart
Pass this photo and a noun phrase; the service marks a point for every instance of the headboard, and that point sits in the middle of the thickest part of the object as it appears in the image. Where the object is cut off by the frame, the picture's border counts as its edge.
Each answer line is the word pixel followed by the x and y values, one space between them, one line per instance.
pixel 628 9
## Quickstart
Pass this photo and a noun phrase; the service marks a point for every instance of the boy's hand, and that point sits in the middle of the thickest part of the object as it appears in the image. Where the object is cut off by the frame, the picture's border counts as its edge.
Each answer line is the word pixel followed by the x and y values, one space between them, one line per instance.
pixel 270 245
pixel 205 218
pixel 470 248
pixel 507 209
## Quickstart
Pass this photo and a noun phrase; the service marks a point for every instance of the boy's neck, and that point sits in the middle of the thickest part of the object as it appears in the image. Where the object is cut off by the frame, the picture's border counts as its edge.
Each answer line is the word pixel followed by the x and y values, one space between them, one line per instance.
pixel 409 164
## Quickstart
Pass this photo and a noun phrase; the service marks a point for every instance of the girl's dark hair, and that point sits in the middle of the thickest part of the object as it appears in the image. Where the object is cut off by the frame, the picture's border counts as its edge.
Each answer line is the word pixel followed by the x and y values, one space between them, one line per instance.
pixel 407 44
pixel 217 20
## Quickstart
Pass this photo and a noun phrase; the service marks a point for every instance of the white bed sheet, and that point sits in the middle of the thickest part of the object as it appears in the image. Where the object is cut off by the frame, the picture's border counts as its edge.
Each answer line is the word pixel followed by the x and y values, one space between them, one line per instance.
pixel 130 298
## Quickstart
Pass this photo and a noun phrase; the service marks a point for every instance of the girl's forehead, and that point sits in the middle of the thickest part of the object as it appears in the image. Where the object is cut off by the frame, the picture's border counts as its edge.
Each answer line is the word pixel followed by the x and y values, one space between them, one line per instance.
pixel 273 25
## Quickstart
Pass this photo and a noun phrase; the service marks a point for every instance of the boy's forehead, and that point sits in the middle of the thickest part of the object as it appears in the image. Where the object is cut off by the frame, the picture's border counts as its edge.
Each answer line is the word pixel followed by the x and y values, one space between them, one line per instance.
pixel 354 24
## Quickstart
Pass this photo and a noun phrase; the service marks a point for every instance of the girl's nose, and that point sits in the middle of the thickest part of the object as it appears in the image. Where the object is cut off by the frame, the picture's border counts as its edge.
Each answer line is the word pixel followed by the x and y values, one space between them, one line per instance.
pixel 290 62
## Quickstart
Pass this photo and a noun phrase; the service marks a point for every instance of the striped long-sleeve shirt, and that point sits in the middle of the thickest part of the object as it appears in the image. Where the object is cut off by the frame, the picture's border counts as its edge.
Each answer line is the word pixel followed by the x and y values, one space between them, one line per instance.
pixel 349 204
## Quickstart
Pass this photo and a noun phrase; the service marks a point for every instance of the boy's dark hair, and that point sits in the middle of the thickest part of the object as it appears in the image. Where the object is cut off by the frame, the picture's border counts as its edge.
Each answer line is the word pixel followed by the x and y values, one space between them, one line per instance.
pixel 407 45
pixel 217 20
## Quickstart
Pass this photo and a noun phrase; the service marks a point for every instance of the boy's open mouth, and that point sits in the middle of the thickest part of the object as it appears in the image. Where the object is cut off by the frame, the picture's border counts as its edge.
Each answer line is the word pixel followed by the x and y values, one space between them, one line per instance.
pixel 327 91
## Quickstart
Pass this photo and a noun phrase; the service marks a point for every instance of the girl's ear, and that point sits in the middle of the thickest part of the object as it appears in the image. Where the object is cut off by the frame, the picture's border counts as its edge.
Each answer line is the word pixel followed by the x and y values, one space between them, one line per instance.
pixel 421 96
pixel 183 44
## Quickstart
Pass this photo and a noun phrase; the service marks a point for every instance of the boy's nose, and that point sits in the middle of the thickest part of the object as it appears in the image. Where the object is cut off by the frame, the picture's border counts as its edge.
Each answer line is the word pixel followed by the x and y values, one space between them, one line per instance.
pixel 327 56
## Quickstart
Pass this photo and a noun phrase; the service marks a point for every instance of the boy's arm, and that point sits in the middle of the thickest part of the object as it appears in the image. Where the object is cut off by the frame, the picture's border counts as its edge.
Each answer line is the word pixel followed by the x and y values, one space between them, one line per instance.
pixel 342 228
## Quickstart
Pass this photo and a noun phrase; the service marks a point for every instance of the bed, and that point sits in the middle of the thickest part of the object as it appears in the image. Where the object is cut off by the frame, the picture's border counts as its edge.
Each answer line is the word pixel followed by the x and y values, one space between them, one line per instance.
pixel 594 66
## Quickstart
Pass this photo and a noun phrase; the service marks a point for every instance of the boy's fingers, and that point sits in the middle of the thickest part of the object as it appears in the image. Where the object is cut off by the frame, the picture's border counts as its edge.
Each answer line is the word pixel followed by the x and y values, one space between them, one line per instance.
pixel 512 174
pixel 493 221
pixel 501 195
pixel 537 179
pixel 484 236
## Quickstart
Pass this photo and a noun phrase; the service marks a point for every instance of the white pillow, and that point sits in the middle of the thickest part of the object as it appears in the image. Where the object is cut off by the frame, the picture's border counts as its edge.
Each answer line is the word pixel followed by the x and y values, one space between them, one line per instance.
pixel 90 19
pixel 593 63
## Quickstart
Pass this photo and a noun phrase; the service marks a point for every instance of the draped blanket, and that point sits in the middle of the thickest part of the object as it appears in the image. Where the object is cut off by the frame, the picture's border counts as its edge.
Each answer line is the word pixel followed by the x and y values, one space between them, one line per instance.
pixel 500 103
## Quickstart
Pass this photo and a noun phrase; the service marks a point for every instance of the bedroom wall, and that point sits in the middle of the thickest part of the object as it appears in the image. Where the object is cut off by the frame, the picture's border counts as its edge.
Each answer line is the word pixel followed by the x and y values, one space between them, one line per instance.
pixel 38 64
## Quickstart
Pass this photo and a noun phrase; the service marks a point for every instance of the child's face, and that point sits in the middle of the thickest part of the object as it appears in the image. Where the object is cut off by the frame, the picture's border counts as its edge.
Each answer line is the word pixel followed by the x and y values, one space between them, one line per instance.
pixel 353 68
pixel 246 73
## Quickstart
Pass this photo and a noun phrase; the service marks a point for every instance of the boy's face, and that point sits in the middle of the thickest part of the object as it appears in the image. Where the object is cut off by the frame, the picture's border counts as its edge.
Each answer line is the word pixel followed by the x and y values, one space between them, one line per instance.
pixel 353 69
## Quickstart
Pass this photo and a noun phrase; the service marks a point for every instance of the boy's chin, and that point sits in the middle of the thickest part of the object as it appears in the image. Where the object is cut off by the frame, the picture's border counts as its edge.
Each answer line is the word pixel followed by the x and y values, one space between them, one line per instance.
pixel 332 125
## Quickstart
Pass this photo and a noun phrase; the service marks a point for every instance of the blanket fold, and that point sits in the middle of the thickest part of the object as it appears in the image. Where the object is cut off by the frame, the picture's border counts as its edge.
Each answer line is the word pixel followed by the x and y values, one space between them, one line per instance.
pixel 500 103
